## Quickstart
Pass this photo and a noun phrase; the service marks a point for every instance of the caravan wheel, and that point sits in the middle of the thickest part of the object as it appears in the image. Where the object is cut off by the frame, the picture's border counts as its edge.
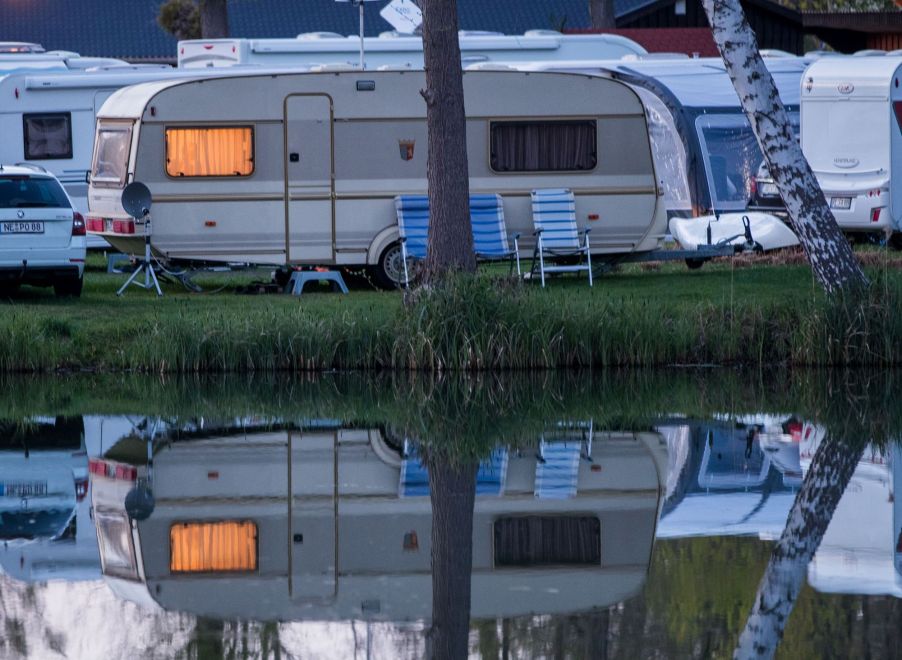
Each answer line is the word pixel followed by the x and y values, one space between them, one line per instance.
pixel 390 269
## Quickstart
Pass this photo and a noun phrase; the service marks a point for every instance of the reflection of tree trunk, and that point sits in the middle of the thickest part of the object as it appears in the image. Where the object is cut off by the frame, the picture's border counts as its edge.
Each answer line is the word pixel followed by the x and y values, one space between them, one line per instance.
pixel 452 489
pixel 831 469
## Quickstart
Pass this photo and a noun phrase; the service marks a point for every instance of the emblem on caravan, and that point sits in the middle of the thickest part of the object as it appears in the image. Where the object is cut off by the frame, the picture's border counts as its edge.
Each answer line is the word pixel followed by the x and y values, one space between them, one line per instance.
pixel 406 147
pixel 845 88
pixel 845 163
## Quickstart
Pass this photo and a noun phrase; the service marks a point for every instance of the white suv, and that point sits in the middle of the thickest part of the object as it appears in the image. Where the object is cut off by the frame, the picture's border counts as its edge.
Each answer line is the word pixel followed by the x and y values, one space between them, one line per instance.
pixel 42 238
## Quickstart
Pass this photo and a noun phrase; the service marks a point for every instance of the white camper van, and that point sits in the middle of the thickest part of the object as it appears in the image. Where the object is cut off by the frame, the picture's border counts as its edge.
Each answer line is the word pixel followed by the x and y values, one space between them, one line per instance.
pixel 335 523
pixel 303 168
pixel 852 138
pixel 400 50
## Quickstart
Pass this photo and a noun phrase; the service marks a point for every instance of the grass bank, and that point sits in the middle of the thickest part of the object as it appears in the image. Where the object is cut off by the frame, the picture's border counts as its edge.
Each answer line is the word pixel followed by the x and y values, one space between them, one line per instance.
pixel 723 314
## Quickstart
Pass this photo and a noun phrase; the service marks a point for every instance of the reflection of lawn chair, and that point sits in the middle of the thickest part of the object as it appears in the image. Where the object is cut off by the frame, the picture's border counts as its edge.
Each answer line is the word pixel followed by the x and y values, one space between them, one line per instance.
pixel 413 227
pixel 557 459
pixel 490 239
pixel 554 220
pixel 490 477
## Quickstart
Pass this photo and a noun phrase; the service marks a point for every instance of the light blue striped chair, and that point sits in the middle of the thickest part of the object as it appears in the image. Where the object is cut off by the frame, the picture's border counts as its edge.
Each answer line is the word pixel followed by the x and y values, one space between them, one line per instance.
pixel 554 221
pixel 490 238
pixel 413 227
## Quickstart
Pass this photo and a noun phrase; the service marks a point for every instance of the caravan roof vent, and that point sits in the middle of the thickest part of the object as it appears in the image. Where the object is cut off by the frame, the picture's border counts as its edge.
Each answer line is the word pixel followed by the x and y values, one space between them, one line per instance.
pixel 542 33
pixel 868 53
pixel 334 66
pixel 309 36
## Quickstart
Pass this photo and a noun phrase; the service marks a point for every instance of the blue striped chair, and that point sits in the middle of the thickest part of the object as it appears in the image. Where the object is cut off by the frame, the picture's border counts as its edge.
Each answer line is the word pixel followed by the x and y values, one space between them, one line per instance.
pixel 554 221
pixel 413 227
pixel 490 238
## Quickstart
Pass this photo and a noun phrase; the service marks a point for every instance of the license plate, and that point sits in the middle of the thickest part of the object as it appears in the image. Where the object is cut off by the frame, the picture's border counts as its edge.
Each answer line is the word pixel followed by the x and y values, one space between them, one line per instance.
pixel 21 227
pixel 23 488
pixel 769 189
pixel 840 202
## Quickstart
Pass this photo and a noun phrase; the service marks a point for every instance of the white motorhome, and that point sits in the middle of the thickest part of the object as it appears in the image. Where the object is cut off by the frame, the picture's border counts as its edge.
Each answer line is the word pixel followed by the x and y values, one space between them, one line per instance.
pixel 852 138
pixel 400 50
pixel 335 523
pixel 303 168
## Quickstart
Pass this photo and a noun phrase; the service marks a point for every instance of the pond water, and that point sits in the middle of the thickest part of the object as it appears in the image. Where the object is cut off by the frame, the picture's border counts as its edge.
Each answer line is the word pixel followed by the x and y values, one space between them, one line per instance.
pixel 664 514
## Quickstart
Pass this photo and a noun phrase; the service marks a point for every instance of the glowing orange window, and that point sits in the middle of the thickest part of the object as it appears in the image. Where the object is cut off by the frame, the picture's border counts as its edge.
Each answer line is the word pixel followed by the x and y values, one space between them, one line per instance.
pixel 215 151
pixel 213 547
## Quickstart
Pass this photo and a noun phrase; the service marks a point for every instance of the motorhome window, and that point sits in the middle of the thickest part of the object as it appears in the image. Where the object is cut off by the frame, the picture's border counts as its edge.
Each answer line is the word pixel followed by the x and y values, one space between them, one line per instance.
pixel 213 547
pixel 732 157
pixel 220 151
pixel 525 541
pixel 111 155
pixel 47 135
pixel 543 146
pixel 114 535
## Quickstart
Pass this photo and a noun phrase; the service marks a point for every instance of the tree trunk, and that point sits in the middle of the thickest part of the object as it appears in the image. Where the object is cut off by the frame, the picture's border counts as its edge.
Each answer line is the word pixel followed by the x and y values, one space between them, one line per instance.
pixel 831 258
pixel 452 490
pixel 601 14
pixel 450 238
pixel 831 468
pixel 214 19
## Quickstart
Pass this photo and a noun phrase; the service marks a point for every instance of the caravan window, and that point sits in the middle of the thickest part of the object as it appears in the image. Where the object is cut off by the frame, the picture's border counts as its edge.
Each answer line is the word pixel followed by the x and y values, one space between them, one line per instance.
pixel 527 541
pixel 543 146
pixel 47 135
pixel 220 151
pixel 111 154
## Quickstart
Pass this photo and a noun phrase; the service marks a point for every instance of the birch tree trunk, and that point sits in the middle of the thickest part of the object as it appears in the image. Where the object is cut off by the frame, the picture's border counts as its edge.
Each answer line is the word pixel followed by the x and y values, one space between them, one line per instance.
pixel 450 245
pixel 831 468
pixel 452 491
pixel 601 14
pixel 214 19
pixel 829 253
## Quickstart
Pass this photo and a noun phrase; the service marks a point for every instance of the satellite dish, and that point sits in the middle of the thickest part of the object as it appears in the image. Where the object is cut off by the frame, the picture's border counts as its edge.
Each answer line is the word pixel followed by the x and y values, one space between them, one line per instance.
pixel 136 199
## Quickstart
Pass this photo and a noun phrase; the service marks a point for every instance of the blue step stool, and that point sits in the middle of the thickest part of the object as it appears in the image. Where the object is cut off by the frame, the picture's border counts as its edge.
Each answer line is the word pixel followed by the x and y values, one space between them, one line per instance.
pixel 299 278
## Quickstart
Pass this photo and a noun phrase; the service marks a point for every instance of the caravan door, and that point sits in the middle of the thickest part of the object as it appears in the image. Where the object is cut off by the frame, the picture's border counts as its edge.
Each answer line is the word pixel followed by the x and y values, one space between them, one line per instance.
pixel 309 179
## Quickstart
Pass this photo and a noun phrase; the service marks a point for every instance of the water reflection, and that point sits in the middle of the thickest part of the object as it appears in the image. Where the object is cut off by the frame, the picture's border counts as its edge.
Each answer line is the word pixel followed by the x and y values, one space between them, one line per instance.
pixel 509 517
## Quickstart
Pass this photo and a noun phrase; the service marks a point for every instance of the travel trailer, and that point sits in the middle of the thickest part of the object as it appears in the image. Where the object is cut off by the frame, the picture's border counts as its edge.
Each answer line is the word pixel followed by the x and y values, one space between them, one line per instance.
pixel 852 138
pixel 390 49
pixel 292 523
pixel 58 60
pixel 303 168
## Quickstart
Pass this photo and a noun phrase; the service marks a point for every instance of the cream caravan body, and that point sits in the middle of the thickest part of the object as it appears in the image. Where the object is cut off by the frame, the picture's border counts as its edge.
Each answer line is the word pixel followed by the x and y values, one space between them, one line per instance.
pixel 303 168
pixel 341 530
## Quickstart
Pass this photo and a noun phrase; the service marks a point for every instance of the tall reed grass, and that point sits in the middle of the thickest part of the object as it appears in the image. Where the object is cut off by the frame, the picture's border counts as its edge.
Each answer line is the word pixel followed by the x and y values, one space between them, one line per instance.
pixel 472 324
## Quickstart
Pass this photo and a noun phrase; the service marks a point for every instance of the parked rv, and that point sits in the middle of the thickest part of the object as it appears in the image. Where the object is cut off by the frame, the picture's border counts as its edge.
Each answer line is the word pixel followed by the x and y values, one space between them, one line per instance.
pixel 340 526
pixel 303 168
pixel 852 137
pixel 391 49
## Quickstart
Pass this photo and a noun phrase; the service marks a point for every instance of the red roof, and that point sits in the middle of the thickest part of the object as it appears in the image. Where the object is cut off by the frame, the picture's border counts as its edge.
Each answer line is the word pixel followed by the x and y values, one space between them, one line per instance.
pixel 666 40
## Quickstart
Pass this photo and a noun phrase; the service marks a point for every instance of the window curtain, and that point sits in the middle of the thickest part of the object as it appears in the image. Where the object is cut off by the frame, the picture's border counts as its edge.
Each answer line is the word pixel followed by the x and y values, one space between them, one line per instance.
pixel 540 540
pixel 213 547
pixel 543 146
pixel 209 151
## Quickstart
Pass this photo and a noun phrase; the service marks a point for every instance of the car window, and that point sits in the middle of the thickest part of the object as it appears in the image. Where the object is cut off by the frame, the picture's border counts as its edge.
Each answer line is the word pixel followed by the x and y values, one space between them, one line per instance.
pixel 20 192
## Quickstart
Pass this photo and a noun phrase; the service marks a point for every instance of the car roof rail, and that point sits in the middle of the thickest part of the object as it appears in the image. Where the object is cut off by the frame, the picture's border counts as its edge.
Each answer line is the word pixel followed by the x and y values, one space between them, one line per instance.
pixel 32 166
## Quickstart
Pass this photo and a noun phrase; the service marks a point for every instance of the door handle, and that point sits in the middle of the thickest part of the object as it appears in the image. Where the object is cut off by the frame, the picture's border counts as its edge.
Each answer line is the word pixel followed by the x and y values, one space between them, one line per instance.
pixel 294 157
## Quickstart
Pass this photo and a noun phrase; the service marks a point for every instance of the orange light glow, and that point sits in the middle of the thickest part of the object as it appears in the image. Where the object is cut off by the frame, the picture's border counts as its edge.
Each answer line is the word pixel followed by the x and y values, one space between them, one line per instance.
pixel 215 151
pixel 214 547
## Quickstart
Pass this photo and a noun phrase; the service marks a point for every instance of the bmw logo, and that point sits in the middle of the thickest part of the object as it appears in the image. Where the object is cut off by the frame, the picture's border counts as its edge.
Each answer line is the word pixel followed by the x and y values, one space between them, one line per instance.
pixel 20 214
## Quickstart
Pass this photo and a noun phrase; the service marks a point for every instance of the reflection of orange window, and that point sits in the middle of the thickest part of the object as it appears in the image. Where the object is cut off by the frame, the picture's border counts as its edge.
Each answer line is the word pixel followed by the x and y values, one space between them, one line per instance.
pixel 213 547
pixel 216 151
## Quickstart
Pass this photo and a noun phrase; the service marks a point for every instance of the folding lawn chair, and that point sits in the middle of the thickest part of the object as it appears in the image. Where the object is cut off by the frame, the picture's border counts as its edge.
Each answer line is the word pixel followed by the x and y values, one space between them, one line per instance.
pixel 554 220
pixel 490 238
pixel 413 227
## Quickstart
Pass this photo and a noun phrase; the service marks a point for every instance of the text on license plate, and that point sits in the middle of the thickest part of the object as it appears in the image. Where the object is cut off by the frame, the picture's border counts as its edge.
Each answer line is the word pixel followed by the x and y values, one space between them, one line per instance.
pixel 840 202
pixel 769 189
pixel 23 488
pixel 22 227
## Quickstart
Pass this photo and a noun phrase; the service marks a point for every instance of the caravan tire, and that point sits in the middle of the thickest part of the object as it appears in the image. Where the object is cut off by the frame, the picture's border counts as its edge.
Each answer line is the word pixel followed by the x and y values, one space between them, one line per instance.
pixel 389 271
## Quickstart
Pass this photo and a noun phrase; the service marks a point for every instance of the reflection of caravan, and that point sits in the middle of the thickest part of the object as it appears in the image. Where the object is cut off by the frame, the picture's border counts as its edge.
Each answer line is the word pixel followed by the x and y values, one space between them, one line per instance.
pixel 354 540
pixel 403 51
pixel 852 137
pixel 42 478
pixel 290 183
